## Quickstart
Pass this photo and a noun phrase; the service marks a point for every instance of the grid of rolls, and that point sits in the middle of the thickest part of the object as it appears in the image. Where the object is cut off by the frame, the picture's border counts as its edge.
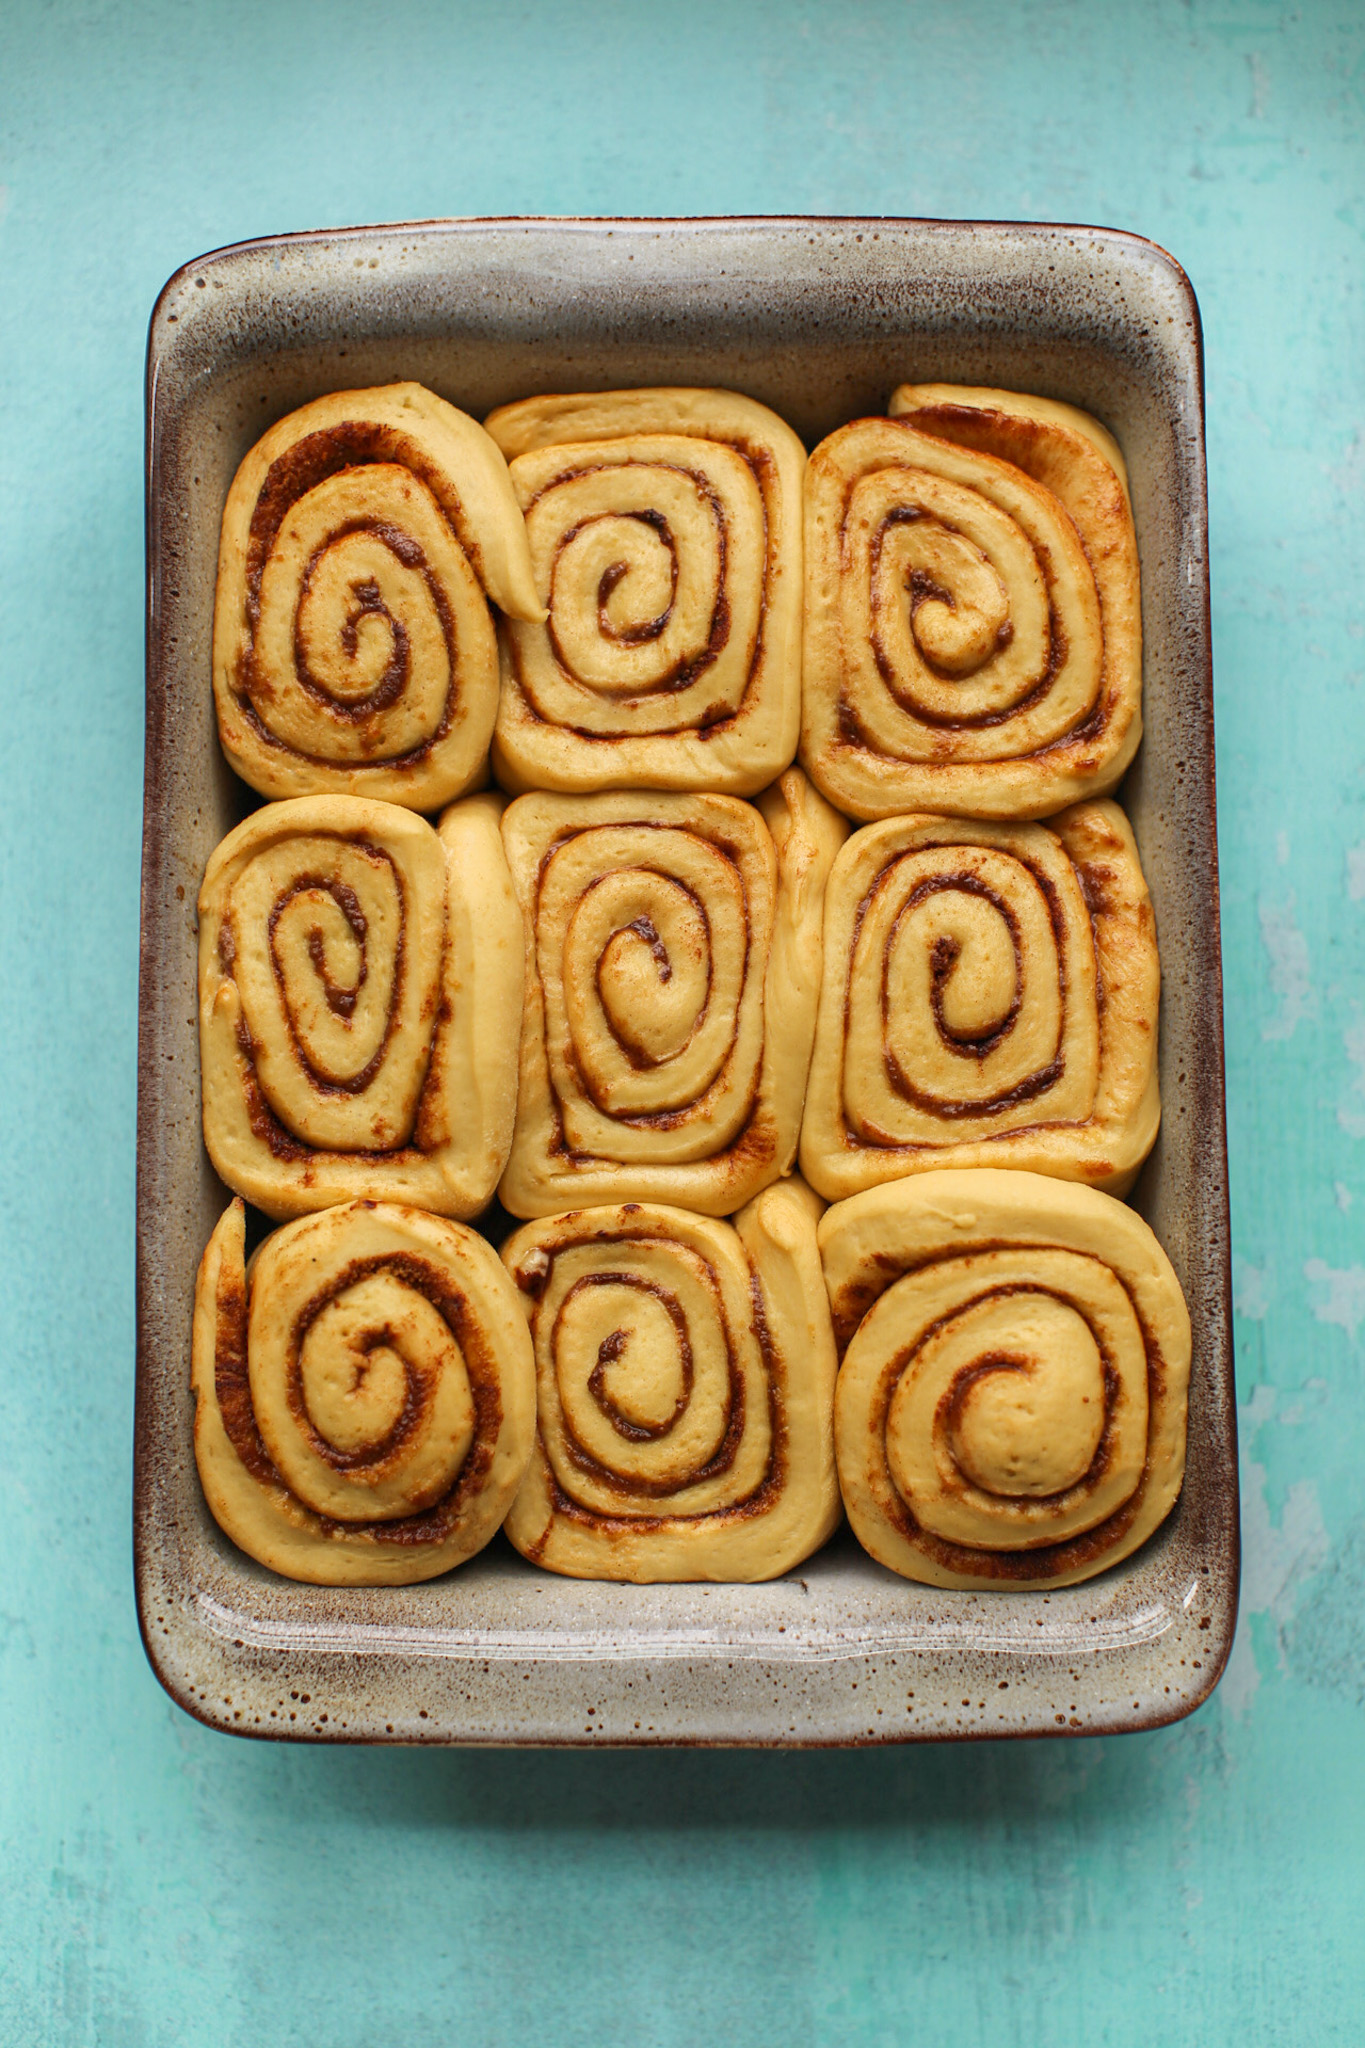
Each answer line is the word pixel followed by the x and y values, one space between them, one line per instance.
pixel 800 851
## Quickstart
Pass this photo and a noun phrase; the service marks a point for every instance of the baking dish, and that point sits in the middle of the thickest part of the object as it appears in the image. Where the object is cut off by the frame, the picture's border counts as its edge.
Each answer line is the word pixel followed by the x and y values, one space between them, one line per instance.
pixel 818 318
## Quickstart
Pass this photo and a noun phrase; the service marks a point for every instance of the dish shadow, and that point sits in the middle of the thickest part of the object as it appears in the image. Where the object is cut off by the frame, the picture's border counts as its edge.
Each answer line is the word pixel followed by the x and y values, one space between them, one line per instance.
pixel 929 1787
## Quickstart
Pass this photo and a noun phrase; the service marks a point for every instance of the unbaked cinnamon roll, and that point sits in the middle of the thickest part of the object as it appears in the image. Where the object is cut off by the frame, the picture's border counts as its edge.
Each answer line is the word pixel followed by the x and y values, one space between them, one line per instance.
pixel 665 531
pixel 973 629
pixel 685 1374
pixel 1011 1404
pixel 353 649
pixel 360 986
pixel 672 972
pixel 990 998
pixel 364 1394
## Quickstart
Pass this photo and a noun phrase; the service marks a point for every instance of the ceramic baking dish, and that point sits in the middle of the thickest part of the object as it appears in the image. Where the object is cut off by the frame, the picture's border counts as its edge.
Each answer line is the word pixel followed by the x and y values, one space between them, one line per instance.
pixel 819 319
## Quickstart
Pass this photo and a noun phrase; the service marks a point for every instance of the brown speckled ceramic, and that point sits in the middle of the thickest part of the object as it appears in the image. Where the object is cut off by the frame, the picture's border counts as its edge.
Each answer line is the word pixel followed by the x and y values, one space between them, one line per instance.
pixel 819 319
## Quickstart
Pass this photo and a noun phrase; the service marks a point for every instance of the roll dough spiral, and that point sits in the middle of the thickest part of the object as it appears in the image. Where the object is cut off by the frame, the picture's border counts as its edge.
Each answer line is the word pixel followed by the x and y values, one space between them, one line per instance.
pixel 972 622
pixel 353 649
pixel 364 1393
pixel 360 991
pixel 990 998
pixel 1011 1405
pixel 685 1375
pixel 663 933
pixel 665 533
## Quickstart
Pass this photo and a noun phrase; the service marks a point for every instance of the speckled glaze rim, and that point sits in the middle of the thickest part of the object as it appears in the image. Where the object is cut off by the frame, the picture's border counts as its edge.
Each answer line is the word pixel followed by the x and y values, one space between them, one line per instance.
pixel 839 1652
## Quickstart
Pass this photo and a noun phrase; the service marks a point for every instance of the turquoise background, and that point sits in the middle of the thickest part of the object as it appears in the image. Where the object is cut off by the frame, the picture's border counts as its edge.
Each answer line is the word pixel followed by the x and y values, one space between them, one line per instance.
pixel 164 1885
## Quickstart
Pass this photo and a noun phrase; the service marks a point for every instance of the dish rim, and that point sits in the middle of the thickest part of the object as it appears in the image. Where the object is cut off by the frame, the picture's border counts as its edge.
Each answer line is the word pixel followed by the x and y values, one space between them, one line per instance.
pixel 169 1669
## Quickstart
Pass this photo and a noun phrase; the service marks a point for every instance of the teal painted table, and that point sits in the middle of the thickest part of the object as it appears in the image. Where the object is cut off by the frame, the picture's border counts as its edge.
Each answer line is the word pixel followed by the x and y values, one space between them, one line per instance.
pixel 162 1885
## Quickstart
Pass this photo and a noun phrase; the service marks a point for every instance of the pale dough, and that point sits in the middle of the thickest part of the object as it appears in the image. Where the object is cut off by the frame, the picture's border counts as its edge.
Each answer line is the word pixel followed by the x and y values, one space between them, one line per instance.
pixel 1011 1405
pixel 973 638
pixel 364 1394
pixel 672 973
pixel 990 998
pixel 665 534
pixel 360 998
pixel 685 1371
pixel 353 649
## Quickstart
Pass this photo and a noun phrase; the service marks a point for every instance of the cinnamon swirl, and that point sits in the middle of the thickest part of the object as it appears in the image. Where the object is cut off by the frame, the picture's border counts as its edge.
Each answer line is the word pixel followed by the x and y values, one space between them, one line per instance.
pixel 685 1375
pixel 665 531
pixel 364 1394
pixel 1011 1406
pixel 990 998
pixel 672 973
pixel 360 987
pixel 352 645
pixel 973 629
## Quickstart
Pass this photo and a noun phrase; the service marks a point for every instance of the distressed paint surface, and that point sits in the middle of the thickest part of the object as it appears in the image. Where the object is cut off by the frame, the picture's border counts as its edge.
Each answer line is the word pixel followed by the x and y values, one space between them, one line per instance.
pixel 162 1885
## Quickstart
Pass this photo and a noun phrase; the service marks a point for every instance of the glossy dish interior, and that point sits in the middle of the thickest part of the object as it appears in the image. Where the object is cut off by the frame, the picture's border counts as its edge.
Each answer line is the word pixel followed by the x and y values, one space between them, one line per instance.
pixel 819 320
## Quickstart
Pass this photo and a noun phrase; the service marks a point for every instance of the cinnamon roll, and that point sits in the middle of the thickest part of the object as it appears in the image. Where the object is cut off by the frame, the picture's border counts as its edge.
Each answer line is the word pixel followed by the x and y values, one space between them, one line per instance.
pixel 973 630
pixel 360 987
pixel 352 645
pixel 665 531
pixel 672 973
pixel 685 1375
pixel 990 998
pixel 1011 1406
pixel 364 1394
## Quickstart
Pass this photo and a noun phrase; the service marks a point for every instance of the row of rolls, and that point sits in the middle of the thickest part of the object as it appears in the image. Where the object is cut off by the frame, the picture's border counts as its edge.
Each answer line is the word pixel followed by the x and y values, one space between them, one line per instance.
pixel 668 995
pixel 987 1368
pixel 656 589
pixel 641 996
